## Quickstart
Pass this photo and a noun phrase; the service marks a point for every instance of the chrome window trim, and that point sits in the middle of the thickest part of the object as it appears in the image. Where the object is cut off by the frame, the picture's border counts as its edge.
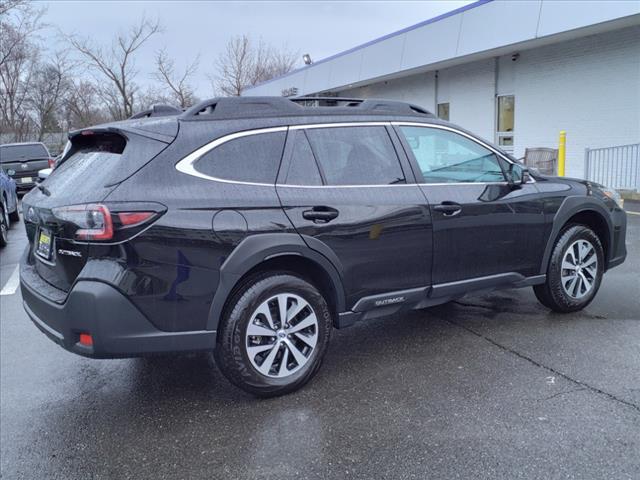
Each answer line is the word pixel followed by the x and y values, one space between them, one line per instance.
pixel 340 124
pixel 186 165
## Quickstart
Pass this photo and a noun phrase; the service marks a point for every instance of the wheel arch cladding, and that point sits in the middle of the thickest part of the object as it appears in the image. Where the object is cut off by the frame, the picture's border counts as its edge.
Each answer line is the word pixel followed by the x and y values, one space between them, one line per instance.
pixel 276 252
pixel 583 211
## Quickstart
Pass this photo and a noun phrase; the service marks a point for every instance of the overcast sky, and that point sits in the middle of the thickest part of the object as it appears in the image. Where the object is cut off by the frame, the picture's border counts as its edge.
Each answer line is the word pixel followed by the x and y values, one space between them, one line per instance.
pixel 318 28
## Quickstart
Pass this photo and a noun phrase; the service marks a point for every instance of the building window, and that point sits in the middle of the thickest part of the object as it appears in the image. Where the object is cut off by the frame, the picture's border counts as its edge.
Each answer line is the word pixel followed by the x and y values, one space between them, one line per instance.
pixel 506 118
pixel 443 111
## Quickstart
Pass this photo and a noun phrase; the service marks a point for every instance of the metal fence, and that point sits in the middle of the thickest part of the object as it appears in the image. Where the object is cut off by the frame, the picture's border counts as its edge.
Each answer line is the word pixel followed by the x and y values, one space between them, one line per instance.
pixel 616 167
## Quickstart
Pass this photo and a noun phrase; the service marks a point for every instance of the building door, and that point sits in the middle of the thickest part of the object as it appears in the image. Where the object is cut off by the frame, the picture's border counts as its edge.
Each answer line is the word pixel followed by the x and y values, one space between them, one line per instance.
pixel 505 122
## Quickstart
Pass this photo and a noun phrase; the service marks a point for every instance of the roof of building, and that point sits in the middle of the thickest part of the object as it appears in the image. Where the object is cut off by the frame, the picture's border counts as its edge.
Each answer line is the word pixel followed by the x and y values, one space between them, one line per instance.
pixel 479 30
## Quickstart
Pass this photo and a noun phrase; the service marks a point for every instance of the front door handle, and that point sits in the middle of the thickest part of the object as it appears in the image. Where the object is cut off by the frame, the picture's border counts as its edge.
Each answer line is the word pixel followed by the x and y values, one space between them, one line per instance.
pixel 320 214
pixel 448 209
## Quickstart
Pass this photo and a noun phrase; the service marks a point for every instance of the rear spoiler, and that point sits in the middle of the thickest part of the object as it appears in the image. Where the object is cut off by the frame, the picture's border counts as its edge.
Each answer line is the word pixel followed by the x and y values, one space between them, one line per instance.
pixel 123 130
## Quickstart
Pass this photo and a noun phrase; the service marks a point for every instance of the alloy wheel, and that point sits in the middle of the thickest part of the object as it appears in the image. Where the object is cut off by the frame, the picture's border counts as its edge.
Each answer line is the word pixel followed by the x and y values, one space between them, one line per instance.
pixel 281 335
pixel 579 269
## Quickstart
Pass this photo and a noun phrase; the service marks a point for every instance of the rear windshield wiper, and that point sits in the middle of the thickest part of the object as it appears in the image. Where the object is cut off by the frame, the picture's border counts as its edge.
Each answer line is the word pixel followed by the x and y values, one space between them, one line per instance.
pixel 44 190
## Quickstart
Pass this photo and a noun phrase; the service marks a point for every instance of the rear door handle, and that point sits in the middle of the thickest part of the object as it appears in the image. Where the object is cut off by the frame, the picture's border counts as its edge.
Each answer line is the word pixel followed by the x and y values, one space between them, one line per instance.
pixel 320 214
pixel 448 209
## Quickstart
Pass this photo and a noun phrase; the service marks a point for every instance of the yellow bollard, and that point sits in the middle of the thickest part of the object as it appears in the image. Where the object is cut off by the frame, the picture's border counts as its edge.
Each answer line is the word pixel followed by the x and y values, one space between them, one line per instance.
pixel 562 152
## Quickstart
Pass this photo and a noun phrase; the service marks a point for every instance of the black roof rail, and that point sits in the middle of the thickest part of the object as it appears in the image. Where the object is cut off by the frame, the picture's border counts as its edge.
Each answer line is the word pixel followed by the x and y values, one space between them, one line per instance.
pixel 157 110
pixel 240 107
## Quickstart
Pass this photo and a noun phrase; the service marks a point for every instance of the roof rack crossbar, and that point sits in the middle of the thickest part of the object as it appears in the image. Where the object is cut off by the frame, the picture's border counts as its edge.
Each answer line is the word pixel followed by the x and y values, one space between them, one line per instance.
pixel 239 107
pixel 326 99
pixel 157 110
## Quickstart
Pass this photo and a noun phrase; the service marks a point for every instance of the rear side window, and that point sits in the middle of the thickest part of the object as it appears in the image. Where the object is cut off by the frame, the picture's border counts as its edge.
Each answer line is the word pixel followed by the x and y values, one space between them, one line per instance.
pixel 356 155
pixel 254 158
pixel 303 169
pixel 20 153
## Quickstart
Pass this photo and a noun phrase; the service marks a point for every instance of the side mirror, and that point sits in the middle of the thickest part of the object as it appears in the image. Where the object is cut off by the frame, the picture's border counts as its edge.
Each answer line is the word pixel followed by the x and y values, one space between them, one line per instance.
pixel 517 174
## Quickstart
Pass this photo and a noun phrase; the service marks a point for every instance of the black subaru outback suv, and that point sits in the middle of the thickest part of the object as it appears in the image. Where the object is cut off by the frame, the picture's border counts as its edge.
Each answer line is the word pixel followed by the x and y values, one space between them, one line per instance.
pixel 253 226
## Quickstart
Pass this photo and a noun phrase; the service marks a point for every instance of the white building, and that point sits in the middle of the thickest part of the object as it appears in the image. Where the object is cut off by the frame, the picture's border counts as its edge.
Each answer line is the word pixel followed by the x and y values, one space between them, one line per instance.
pixel 515 72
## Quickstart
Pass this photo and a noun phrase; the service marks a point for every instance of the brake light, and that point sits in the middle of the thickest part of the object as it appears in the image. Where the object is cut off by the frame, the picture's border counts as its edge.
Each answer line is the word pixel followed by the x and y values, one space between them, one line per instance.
pixel 98 222
pixel 134 218
pixel 52 162
pixel 93 220
pixel 86 339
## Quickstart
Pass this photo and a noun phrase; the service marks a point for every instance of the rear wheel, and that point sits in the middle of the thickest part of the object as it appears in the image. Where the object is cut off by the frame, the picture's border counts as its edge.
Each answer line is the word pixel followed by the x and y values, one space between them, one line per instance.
pixel 274 335
pixel 575 271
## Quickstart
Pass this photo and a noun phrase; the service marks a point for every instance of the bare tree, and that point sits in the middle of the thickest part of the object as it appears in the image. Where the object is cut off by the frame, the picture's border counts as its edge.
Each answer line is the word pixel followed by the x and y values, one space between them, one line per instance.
pixel 244 63
pixel 178 83
pixel 7 5
pixel 116 64
pixel 49 86
pixel 19 22
pixel 81 105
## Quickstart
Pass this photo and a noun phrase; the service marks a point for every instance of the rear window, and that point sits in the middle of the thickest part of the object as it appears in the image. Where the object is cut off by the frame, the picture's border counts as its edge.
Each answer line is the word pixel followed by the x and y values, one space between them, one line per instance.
pixel 356 156
pixel 254 158
pixel 19 153
pixel 83 172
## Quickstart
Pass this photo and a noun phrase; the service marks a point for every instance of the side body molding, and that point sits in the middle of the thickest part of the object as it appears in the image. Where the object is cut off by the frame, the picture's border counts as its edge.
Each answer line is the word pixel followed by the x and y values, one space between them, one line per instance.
pixel 569 207
pixel 255 249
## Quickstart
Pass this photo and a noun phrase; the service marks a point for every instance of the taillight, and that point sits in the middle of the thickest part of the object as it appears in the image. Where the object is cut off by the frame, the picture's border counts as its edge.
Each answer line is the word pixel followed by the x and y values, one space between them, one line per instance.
pixel 52 162
pixel 99 222
pixel 131 219
pixel 93 220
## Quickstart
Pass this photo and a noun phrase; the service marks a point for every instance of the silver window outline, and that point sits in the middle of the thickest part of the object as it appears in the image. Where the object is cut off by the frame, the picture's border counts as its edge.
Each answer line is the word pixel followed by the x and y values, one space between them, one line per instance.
pixel 186 165
pixel 473 139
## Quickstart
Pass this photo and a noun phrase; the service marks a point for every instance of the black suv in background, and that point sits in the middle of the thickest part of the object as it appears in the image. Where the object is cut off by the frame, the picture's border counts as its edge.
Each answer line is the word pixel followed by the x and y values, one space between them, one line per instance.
pixel 253 226
pixel 22 161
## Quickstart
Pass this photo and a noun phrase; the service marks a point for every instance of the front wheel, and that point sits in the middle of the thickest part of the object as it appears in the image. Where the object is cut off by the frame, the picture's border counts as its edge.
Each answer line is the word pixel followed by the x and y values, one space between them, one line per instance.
pixel 575 271
pixel 274 334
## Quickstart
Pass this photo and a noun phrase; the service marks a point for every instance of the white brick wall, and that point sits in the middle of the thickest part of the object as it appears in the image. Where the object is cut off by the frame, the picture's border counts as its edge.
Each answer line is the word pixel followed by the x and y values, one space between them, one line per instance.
pixel 470 90
pixel 418 89
pixel 589 87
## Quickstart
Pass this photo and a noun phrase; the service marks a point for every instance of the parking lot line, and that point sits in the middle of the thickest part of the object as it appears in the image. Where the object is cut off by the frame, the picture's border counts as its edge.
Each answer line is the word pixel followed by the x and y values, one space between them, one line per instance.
pixel 633 213
pixel 12 284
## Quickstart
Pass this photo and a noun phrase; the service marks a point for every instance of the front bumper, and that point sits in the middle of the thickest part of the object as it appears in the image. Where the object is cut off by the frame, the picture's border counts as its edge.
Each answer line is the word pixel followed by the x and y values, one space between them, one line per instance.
pixel 117 327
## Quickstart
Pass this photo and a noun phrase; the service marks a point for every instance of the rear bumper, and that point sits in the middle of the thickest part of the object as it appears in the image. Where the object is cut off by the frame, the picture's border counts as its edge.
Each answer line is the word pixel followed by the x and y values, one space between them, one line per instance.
pixel 117 327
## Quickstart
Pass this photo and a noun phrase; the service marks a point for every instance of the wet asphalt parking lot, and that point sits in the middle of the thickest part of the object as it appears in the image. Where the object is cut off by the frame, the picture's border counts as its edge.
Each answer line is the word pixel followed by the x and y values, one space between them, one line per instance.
pixel 492 386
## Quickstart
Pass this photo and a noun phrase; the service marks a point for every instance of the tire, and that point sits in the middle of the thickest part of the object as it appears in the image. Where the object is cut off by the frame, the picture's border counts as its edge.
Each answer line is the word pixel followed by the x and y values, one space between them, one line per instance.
pixel 573 288
pixel 15 215
pixel 261 371
pixel 4 225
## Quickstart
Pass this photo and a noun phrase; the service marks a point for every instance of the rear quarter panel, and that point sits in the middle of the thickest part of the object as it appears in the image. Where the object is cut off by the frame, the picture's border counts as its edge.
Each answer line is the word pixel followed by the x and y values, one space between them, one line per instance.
pixel 172 270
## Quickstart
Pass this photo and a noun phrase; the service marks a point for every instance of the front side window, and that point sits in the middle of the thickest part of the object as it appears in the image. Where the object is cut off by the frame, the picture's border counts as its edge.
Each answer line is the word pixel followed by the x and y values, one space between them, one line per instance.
pixel 356 155
pixel 448 157
pixel 254 158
